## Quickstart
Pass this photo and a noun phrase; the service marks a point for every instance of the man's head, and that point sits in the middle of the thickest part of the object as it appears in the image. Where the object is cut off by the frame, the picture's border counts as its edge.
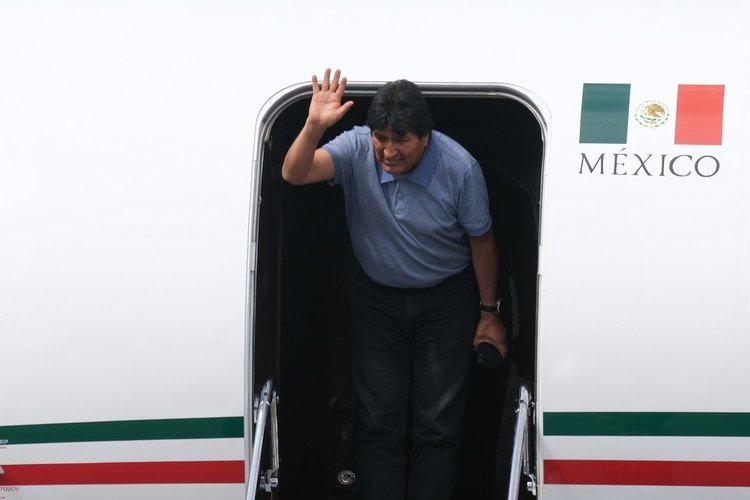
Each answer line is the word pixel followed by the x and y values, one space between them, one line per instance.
pixel 401 122
pixel 400 107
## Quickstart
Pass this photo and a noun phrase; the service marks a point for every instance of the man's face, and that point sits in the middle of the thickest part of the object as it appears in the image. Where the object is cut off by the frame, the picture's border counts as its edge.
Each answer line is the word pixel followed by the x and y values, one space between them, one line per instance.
pixel 398 154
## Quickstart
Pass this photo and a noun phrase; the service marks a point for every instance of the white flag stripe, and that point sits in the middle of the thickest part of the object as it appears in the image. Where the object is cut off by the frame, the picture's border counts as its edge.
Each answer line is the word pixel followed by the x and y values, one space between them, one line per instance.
pixel 648 99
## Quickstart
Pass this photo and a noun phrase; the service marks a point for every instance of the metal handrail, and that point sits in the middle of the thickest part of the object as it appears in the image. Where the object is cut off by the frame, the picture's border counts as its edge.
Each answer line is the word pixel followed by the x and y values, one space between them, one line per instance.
pixel 520 460
pixel 262 407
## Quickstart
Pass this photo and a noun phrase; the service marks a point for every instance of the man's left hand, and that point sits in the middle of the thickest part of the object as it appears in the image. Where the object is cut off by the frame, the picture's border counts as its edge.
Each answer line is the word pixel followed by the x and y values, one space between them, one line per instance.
pixel 490 329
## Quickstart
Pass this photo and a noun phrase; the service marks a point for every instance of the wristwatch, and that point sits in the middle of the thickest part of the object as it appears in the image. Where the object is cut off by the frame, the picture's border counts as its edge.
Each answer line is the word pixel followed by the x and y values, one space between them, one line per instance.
pixel 491 308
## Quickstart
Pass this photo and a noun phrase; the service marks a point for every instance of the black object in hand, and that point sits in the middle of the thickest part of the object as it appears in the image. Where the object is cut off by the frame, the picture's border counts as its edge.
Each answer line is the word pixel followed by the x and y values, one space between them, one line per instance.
pixel 488 355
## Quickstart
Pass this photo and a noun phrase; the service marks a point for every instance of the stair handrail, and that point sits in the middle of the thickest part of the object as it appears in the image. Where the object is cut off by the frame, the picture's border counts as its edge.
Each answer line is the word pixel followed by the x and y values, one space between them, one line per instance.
pixel 520 458
pixel 262 406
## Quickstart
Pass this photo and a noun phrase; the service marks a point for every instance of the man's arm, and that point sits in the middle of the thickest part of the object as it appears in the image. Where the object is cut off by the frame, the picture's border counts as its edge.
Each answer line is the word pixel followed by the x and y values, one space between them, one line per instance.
pixel 305 163
pixel 484 258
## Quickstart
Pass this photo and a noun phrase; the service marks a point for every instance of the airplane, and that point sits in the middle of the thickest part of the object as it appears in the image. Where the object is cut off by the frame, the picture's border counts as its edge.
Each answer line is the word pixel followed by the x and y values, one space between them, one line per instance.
pixel 173 314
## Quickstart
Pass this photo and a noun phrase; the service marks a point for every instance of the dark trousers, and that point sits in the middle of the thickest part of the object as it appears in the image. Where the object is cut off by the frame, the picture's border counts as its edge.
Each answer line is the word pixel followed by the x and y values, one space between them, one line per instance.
pixel 411 346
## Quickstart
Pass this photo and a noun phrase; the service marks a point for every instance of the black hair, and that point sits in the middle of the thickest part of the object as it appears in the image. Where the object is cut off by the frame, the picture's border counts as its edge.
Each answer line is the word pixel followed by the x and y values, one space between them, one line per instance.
pixel 400 107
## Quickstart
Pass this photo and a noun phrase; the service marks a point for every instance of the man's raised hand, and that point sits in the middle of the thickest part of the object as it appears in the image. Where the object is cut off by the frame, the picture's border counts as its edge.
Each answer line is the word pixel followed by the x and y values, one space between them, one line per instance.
pixel 326 107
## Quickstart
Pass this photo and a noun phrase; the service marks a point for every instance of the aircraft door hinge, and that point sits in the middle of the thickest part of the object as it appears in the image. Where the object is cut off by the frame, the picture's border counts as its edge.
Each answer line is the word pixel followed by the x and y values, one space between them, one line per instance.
pixel 268 480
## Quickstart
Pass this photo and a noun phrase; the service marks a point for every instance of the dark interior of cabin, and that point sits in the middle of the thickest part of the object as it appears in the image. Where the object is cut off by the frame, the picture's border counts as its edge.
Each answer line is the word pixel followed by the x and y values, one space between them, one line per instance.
pixel 302 285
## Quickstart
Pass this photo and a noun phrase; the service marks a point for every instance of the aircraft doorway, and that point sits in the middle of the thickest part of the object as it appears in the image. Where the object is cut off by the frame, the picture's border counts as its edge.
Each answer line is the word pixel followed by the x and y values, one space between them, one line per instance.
pixel 302 280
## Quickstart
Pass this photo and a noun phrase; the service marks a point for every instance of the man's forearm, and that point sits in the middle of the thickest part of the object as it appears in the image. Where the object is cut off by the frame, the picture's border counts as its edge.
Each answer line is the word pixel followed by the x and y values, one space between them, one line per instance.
pixel 299 158
pixel 484 259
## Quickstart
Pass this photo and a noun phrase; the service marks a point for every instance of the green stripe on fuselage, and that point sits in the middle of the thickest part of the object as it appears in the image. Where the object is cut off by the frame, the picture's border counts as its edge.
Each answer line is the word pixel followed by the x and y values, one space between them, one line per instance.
pixel 646 424
pixel 127 430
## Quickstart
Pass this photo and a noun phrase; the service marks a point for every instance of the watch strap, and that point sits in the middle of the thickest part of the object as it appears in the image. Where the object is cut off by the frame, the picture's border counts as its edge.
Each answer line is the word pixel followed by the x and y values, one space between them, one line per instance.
pixel 493 308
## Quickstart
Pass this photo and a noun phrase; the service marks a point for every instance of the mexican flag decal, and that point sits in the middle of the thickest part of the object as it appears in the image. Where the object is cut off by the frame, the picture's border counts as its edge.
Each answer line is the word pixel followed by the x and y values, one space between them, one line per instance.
pixel 619 113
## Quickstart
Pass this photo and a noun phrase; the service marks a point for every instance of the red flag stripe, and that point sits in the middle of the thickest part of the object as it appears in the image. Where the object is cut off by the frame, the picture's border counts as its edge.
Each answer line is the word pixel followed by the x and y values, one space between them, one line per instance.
pixel 647 473
pixel 228 471
pixel 700 113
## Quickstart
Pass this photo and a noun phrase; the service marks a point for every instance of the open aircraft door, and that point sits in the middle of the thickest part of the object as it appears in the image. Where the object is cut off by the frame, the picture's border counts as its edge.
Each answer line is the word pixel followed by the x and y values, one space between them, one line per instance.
pixel 300 260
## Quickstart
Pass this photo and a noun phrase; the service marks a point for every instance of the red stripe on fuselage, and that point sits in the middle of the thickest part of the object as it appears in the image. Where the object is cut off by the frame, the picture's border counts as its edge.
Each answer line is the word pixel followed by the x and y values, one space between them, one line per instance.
pixel 647 473
pixel 227 471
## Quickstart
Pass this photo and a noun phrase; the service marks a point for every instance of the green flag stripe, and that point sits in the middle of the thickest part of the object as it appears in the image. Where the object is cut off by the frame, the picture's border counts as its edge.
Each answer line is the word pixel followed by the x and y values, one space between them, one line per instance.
pixel 129 430
pixel 604 113
pixel 647 424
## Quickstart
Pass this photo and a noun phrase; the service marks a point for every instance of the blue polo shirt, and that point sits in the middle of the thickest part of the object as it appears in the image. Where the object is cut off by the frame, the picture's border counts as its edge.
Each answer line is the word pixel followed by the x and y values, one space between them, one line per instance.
pixel 411 231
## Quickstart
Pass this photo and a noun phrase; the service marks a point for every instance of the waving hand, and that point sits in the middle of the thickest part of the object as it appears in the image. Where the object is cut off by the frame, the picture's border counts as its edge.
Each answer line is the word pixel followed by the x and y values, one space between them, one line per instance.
pixel 305 163
pixel 325 107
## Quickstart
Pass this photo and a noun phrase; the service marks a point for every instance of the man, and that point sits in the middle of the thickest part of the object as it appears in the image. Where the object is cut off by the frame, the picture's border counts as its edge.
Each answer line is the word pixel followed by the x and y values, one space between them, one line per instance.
pixel 418 218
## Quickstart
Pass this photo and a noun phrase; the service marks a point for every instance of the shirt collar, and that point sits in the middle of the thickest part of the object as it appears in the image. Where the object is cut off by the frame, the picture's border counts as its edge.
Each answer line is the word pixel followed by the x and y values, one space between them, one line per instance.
pixel 421 174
